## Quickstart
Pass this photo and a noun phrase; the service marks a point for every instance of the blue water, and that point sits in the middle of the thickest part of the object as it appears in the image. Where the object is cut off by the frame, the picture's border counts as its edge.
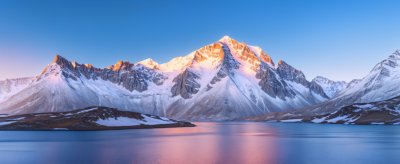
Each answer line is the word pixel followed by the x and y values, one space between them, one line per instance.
pixel 227 142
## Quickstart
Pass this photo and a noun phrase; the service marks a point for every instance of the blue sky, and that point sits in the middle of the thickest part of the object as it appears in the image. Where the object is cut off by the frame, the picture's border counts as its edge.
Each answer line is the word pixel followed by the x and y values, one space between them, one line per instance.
pixel 339 39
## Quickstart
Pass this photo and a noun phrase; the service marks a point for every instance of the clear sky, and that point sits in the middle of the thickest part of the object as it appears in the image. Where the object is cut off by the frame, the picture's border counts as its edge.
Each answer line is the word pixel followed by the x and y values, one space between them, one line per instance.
pixel 339 39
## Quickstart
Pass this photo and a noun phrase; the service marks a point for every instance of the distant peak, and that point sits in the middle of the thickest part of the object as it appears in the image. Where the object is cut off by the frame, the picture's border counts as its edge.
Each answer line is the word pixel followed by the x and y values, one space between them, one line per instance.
pixel 58 58
pixel 395 55
pixel 150 63
pixel 397 52
pixel 148 60
pixel 281 62
pixel 226 38
pixel 121 65
pixel 320 77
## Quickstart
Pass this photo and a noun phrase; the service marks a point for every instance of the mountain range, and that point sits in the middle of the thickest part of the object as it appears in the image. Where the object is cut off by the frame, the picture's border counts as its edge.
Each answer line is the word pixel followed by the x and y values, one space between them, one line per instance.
pixel 379 86
pixel 225 80
pixel 221 81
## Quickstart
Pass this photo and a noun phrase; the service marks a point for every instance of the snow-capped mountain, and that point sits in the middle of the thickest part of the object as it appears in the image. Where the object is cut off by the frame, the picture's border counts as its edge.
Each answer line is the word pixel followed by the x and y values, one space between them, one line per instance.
pixel 330 87
pixel 379 85
pixel 221 81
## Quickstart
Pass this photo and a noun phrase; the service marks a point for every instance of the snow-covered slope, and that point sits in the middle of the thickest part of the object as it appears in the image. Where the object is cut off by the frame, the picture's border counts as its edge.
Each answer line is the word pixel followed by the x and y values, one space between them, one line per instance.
pixel 221 81
pixel 330 87
pixel 11 86
pixel 380 84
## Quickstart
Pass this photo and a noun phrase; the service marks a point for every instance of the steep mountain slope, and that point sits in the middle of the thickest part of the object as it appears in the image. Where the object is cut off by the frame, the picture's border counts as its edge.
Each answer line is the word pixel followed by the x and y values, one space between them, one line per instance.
pixel 221 81
pixel 379 85
pixel 11 86
pixel 330 87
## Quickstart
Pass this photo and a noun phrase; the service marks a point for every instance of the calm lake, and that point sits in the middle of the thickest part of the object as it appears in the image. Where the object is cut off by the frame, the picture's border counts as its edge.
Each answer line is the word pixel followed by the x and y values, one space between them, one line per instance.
pixel 220 142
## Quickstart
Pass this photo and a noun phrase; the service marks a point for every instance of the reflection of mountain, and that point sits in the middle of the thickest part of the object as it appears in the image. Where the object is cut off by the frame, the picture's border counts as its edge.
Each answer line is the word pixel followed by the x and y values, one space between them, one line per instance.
pixel 330 87
pixel 221 81
pixel 216 142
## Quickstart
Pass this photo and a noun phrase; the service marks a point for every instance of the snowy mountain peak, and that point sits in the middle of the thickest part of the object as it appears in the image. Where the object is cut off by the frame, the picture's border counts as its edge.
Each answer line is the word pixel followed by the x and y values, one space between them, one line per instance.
pixel 121 65
pixel 226 39
pixel 395 55
pixel 330 87
pixel 291 72
pixel 220 81
pixel 397 52
pixel 149 63
pixel 58 59
pixel 381 83
pixel 387 66
pixel 280 62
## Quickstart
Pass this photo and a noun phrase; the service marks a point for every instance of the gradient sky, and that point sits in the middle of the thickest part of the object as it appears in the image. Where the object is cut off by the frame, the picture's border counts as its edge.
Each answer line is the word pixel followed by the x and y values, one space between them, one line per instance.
pixel 339 39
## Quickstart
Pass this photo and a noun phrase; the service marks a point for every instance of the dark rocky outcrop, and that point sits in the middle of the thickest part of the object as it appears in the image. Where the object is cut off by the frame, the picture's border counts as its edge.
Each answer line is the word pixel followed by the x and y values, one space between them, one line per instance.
pixel 185 84
pixel 132 77
pixel 289 73
pixel 85 119
pixel 273 86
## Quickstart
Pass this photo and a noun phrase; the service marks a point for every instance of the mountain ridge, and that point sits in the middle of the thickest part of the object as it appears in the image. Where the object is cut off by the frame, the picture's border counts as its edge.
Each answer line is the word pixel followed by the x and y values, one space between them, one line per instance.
pixel 221 81
pixel 379 85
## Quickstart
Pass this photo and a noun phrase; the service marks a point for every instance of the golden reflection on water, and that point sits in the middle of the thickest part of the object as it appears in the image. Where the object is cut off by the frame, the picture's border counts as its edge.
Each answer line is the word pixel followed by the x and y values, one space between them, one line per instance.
pixel 225 143
pixel 207 143
pixel 203 145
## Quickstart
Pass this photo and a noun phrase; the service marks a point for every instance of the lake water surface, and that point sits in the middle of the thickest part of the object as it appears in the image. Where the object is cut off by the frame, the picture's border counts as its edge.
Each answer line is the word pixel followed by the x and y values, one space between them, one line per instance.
pixel 220 142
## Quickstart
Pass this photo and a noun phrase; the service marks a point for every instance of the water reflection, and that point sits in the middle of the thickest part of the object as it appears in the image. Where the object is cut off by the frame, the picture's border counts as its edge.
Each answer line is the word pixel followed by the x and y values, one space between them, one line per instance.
pixel 232 142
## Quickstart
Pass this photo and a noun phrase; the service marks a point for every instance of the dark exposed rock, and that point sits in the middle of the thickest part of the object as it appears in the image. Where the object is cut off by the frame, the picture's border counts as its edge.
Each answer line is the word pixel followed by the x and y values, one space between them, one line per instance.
pixel 274 87
pixel 317 89
pixel 229 63
pixel 185 84
pixel 122 73
pixel 289 73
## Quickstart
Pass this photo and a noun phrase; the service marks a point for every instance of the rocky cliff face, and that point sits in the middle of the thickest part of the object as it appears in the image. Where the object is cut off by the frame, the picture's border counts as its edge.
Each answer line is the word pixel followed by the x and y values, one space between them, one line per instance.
pixel 221 81
pixel 185 84
pixel 130 76
pixel 272 85
pixel 289 73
